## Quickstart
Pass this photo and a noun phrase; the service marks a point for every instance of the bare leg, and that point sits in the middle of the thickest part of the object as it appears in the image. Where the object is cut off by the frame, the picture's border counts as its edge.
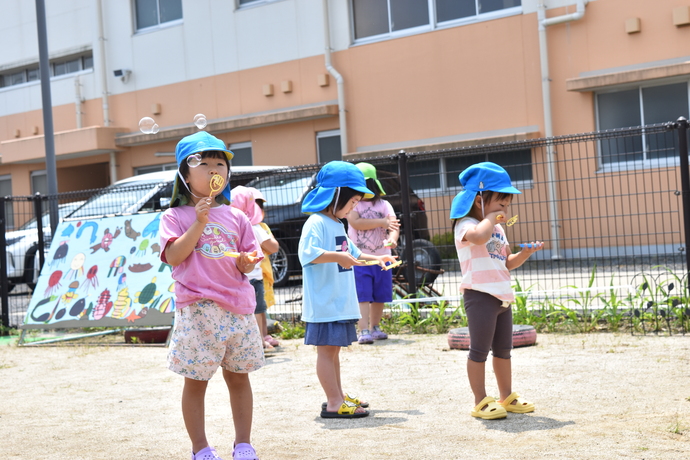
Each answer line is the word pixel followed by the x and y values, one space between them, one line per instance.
pixel 363 323
pixel 242 403
pixel 376 313
pixel 193 395
pixel 476 375
pixel 328 371
pixel 502 369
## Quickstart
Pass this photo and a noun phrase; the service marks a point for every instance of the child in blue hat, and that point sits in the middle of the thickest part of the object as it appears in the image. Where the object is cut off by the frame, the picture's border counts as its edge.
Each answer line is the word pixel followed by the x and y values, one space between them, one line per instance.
pixel 211 247
pixel 330 308
pixel 485 260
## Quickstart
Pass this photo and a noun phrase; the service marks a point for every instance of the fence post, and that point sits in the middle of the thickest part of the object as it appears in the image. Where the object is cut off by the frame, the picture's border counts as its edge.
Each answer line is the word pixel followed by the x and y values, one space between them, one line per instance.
pixel 3 266
pixel 38 214
pixel 682 125
pixel 407 223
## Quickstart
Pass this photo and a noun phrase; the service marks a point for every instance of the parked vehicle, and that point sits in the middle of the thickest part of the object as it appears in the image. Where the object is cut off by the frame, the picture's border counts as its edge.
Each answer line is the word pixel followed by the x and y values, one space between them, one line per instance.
pixel 284 192
pixel 22 247
pixel 143 193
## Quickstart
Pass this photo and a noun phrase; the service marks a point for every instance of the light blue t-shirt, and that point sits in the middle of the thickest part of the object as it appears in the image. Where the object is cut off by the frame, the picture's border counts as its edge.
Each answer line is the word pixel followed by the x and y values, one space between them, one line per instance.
pixel 329 289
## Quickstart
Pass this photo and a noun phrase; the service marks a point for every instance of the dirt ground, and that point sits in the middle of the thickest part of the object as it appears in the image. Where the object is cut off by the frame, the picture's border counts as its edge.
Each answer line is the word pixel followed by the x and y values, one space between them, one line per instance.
pixel 597 396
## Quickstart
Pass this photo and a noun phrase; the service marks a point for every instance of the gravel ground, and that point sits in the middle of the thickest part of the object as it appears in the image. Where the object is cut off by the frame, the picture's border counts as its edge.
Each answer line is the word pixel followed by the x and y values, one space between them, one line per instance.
pixel 597 396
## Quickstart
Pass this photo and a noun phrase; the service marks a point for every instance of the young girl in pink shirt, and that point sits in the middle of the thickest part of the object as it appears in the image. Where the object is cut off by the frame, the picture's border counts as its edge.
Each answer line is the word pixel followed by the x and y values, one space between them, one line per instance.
pixel 211 247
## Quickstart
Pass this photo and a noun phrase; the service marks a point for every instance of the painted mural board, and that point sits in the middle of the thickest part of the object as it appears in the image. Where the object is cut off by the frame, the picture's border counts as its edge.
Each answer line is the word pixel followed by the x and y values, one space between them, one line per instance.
pixel 104 272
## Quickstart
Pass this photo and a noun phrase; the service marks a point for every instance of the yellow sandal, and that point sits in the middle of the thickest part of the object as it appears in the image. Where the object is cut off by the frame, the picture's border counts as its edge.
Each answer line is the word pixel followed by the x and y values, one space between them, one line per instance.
pixel 493 409
pixel 520 407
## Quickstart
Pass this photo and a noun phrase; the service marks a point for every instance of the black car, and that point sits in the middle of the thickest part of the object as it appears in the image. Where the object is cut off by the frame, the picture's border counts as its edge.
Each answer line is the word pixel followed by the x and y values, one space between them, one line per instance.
pixel 284 192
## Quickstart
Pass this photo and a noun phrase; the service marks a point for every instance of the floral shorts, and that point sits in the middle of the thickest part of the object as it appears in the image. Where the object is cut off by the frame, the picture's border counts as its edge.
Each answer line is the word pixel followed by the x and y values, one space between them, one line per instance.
pixel 206 337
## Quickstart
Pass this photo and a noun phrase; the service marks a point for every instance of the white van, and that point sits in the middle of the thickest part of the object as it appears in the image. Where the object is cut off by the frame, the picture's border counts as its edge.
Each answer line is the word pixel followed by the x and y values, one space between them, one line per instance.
pixel 143 193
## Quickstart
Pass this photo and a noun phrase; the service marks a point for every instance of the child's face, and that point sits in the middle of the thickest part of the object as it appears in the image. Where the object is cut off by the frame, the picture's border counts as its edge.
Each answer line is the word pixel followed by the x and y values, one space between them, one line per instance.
pixel 349 206
pixel 199 177
pixel 497 205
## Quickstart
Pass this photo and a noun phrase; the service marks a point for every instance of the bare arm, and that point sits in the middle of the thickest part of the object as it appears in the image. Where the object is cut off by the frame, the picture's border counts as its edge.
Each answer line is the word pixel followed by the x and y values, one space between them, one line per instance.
pixel 358 223
pixel 270 246
pixel 344 259
pixel 481 233
pixel 515 260
pixel 177 251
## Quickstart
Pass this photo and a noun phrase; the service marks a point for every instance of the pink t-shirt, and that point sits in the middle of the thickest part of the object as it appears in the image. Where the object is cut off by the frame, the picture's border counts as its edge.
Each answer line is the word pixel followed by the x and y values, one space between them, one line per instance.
pixel 208 273
pixel 371 241
pixel 484 266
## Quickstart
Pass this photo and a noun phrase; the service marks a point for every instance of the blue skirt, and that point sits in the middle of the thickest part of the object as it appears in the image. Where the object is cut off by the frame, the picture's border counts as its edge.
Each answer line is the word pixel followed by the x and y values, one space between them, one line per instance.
pixel 337 333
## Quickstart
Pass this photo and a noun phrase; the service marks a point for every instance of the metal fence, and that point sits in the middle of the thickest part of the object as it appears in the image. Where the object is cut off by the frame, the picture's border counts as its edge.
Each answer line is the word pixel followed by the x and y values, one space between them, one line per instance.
pixel 609 207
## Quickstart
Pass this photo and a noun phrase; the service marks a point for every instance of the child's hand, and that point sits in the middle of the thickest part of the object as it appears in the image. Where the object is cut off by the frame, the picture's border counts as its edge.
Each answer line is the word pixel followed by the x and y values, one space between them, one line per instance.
pixel 496 217
pixel 383 259
pixel 389 243
pixel 202 209
pixel 345 260
pixel 531 248
pixel 246 261
pixel 392 223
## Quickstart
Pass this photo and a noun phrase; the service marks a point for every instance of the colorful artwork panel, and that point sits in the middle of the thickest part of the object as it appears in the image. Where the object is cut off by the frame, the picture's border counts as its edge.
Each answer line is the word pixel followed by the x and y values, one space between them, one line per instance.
pixel 106 274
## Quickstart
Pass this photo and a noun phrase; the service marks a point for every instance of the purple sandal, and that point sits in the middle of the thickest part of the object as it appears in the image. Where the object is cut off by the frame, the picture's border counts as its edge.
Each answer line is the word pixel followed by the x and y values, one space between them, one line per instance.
pixel 244 451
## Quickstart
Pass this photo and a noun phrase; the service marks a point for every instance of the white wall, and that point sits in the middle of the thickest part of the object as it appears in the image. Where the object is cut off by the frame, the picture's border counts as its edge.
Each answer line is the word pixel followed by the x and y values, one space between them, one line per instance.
pixel 213 38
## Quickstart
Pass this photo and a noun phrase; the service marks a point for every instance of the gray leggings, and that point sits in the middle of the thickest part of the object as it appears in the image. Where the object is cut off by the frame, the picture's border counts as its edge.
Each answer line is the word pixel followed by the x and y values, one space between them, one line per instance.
pixel 490 325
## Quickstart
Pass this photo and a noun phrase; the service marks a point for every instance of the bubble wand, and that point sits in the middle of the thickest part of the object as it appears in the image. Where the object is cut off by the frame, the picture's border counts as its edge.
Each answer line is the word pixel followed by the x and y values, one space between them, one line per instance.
pixel 216 184
pixel 510 222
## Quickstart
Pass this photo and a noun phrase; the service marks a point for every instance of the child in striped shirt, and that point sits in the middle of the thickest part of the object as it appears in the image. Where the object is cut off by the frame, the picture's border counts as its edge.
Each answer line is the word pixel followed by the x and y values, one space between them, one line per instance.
pixel 485 260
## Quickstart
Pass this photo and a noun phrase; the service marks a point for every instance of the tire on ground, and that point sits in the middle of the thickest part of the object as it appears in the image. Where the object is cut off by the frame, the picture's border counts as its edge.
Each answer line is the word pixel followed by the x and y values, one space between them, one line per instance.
pixel 523 336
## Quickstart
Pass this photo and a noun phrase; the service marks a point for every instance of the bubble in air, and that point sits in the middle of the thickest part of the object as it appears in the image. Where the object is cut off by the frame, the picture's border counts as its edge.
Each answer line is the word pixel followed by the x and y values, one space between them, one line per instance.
pixel 200 120
pixel 194 160
pixel 147 125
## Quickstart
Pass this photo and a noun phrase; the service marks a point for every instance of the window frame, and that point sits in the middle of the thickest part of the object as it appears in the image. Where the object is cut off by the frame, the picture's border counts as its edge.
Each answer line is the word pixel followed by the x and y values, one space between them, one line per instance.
pixel 9 205
pixel 242 145
pixel 431 26
pixel 645 162
pixel 27 70
pixel 445 189
pixel 159 25
pixel 325 134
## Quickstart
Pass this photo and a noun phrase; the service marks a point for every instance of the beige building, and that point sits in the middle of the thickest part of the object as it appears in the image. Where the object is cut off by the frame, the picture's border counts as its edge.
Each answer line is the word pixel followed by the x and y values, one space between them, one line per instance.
pixel 290 82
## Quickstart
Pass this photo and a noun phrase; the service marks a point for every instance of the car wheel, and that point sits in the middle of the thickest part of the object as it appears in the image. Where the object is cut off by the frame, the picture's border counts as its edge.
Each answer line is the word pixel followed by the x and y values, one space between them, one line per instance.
pixel 32 268
pixel 281 266
pixel 427 261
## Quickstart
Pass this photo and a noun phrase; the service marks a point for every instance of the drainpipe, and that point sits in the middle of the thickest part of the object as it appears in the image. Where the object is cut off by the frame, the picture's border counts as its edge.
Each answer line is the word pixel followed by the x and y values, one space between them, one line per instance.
pixel 544 22
pixel 104 87
pixel 338 79
pixel 77 100
pixel 104 77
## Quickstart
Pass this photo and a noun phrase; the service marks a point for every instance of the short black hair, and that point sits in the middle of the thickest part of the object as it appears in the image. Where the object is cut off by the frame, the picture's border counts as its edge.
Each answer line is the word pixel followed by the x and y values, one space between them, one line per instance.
pixel 345 195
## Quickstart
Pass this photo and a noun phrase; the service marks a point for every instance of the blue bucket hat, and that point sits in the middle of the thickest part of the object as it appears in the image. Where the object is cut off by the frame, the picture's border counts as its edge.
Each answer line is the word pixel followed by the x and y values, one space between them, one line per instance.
pixel 333 175
pixel 480 177
pixel 197 143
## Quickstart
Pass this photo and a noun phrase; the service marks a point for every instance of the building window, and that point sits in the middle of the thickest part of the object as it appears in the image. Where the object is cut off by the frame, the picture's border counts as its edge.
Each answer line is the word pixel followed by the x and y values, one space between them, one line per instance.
pixel 155 168
pixel 638 107
pixel 39 182
pixel 152 13
pixel 58 67
pixel 243 154
pixel 6 190
pixel 71 65
pixel 328 146
pixel 241 3
pixel 442 174
pixel 379 18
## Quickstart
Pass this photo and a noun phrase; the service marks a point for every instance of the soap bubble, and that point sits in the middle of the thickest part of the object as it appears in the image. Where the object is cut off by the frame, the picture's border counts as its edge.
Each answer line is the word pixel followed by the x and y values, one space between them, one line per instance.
pixel 147 125
pixel 194 160
pixel 200 120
